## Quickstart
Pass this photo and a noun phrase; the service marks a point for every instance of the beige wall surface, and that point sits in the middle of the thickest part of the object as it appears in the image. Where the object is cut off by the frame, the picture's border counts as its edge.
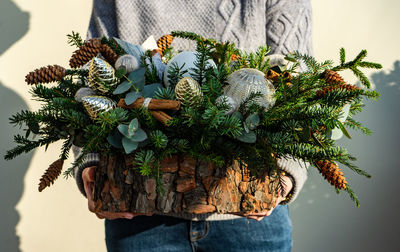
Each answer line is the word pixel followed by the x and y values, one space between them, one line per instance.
pixel 32 34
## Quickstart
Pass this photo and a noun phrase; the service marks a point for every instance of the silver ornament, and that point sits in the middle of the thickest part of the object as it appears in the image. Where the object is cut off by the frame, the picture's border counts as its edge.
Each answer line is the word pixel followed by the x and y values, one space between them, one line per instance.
pixel 97 104
pixel 82 92
pixel 129 62
pixel 232 104
pixel 245 81
pixel 102 76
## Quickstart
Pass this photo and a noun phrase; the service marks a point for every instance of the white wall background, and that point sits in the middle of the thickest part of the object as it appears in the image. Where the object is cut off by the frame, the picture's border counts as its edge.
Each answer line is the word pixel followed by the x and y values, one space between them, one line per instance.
pixel 32 34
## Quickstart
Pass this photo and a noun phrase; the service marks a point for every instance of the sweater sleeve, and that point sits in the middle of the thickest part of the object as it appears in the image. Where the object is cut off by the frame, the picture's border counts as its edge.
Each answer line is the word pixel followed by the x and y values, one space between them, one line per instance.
pixel 289 29
pixel 298 170
pixel 91 159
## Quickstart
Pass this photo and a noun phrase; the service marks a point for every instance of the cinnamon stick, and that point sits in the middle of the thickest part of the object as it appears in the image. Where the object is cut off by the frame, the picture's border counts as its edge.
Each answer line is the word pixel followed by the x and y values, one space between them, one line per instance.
pixel 161 116
pixel 155 104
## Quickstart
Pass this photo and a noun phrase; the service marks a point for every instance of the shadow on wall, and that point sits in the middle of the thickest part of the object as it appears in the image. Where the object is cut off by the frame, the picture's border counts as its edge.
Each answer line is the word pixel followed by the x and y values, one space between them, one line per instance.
pixel 324 221
pixel 14 23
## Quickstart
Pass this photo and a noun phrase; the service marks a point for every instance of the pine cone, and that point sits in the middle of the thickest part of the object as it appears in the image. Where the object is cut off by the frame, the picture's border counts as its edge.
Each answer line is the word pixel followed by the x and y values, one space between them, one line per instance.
pixel 164 42
pixel 85 53
pixel 326 90
pixel 332 173
pixel 45 74
pixel 51 174
pixel 109 54
pixel 332 77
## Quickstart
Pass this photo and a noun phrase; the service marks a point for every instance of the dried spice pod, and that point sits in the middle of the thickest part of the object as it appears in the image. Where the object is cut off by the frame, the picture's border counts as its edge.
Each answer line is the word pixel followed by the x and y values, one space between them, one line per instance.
pixel 51 174
pixel 46 74
pixel 332 173
pixel 85 53
pixel 332 77
pixel 326 90
pixel 165 42
pixel 109 54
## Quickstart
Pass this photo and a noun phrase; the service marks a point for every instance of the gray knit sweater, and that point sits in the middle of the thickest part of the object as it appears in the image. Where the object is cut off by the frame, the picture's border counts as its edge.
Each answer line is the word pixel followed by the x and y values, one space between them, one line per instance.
pixel 285 25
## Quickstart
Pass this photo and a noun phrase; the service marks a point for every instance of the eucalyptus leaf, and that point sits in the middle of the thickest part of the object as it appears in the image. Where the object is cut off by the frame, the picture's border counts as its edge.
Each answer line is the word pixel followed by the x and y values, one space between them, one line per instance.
pixel 129 145
pixel 124 129
pixel 252 121
pixel 139 136
pixel 237 114
pixel 115 139
pixel 131 97
pixel 247 137
pixel 123 87
pixel 138 77
pixel 343 129
pixel 133 127
pixel 149 90
pixel 119 73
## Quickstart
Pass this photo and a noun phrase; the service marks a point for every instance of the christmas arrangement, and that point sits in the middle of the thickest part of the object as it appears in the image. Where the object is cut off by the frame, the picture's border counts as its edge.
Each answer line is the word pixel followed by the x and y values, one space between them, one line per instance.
pixel 194 131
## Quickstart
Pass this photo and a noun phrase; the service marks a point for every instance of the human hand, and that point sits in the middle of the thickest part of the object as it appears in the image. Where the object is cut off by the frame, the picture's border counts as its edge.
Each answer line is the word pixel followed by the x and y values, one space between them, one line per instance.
pixel 88 175
pixel 288 185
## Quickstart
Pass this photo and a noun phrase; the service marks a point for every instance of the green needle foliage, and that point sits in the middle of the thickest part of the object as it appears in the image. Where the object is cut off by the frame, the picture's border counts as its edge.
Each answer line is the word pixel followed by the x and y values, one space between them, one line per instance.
pixel 297 125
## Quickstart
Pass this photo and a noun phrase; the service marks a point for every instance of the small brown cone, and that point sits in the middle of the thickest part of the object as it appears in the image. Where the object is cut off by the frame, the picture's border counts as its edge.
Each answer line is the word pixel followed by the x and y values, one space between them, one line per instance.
pixel 326 90
pixel 164 42
pixel 332 77
pixel 109 54
pixel 51 174
pixel 45 74
pixel 85 53
pixel 332 173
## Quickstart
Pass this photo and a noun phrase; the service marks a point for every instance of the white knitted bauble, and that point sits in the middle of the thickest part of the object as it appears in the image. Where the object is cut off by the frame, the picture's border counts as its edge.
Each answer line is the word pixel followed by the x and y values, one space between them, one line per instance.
pixel 245 81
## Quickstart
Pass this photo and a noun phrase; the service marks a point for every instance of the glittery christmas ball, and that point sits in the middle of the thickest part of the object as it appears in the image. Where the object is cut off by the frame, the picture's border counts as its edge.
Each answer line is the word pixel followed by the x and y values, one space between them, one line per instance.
pixel 129 62
pixel 245 81
pixel 188 91
pixel 102 76
pixel 82 92
pixel 97 104
pixel 229 101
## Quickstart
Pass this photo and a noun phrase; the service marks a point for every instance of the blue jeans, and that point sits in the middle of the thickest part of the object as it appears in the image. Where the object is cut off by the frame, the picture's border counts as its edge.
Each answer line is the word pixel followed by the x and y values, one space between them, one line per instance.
pixel 163 233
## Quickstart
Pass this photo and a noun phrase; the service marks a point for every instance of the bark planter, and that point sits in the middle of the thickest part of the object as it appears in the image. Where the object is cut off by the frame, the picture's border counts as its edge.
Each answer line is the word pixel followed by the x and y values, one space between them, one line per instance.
pixel 189 186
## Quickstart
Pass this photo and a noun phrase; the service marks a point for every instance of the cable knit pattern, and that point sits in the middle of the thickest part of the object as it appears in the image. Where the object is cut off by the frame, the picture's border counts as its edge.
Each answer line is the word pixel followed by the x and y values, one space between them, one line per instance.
pixel 285 25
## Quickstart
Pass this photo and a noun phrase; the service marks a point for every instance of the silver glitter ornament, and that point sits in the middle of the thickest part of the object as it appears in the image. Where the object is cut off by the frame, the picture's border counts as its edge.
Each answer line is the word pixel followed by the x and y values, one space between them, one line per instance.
pixel 129 62
pixel 97 104
pixel 102 76
pixel 245 81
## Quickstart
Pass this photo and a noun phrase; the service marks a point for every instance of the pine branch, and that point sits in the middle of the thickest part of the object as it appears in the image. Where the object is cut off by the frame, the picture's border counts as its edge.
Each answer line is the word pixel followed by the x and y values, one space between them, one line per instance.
pixel 25 145
pixel 75 39
pixel 357 126
pixel 342 56
pixel 352 195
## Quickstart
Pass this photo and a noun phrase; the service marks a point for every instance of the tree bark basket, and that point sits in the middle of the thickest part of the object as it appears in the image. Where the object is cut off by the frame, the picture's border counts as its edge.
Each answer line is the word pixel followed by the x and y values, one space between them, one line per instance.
pixel 188 186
